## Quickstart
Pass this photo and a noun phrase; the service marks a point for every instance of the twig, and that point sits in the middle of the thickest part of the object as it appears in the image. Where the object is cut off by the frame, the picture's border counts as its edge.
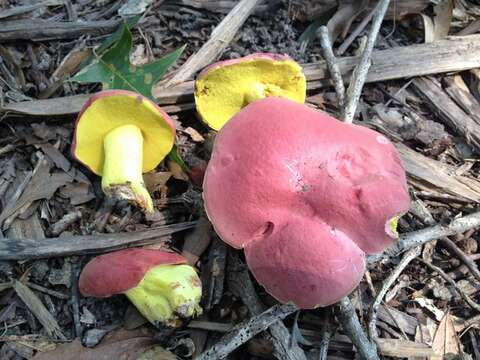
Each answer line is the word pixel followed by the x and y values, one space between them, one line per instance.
pixel 332 65
pixel 462 256
pixel 476 348
pixel 349 320
pixel 220 38
pixel 247 330
pixel 449 280
pixel 327 333
pixel 74 293
pixel 420 237
pixel 241 285
pixel 47 291
pixel 462 270
pixel 353 35
pixel 408 257
pixel 361 70
pixel 419 210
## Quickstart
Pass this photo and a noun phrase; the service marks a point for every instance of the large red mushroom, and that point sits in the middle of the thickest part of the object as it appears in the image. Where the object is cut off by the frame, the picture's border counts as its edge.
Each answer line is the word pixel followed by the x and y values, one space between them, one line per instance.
pixel 306 196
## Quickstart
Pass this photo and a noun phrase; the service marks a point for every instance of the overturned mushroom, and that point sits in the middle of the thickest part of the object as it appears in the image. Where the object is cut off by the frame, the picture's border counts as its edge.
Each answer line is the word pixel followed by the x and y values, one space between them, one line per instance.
pixel 306 196
pixel 119 135
pixel 160 284
pixel 224 88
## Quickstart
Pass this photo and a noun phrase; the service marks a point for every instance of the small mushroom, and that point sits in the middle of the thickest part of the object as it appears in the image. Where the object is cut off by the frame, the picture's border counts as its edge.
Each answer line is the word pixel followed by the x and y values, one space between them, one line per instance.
pixel 160 284
pixel 306 196
pixel 119 135
pixel 224 88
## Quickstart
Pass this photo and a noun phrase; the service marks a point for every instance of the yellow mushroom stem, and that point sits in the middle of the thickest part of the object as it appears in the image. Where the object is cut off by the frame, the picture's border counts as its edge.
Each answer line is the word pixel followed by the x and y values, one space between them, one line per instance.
pixel 122 168
pixel 259 91
pixel 167 293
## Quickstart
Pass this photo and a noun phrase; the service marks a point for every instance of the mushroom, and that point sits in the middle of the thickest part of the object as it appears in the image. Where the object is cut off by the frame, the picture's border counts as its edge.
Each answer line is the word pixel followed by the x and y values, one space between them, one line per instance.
pixel 306 196
pixel 224 88
pixel 119 135
pixel 160 284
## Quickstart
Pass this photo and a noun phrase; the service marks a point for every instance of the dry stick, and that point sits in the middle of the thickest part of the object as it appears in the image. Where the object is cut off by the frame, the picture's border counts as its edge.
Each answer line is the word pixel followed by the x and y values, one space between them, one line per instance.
pixel 419 210
pixel 462 256
pixel 409 256
pixel 221 36
pixel 327 333
pixel 449 280
pixel 247 330
pixel 19 249
pixel 332 65
pixel 420 237
pixel 349 320
pixel 361 70
pixel 75 302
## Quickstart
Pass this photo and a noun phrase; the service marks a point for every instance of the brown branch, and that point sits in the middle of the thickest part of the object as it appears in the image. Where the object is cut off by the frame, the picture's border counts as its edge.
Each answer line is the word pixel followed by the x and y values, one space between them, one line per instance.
pixel 469 263
pixel 332 65
pixel 388 282
pixel 18 249
pixel 247 330
pixel 361 70
pixel 241 285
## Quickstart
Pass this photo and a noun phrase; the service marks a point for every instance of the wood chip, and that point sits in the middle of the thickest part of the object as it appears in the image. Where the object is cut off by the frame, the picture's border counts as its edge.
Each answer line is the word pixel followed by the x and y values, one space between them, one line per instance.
pixel 39 310
pixel 428 174
pixel 396 318
pixel 448 111
pixel 42 185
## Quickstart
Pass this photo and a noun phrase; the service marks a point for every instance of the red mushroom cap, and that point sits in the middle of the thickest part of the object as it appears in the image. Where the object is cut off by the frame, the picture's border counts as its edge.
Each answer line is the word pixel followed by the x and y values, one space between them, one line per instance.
pixel 255 56
pixel 306 196
pixel 119 271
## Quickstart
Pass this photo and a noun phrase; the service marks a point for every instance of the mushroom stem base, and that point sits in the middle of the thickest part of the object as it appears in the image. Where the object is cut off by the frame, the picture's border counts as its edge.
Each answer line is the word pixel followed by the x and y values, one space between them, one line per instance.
pixel 167 293
pixel 122 169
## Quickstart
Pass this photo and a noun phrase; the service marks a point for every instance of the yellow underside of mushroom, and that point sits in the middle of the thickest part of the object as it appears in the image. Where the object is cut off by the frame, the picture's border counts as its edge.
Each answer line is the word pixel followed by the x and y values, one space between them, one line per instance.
pixel 223 91
pixel 167 293
pixel 110 112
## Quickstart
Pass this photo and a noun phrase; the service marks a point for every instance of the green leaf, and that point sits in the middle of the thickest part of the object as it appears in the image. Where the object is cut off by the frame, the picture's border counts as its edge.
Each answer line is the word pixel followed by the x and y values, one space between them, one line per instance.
pixel 112 39
pixel 114 70
pixel 175 157
pixel 115 36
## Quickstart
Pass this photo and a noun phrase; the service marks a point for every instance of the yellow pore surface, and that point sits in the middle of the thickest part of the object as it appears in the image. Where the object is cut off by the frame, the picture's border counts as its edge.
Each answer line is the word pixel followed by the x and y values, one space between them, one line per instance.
pixel 109 112
pixel 226 89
